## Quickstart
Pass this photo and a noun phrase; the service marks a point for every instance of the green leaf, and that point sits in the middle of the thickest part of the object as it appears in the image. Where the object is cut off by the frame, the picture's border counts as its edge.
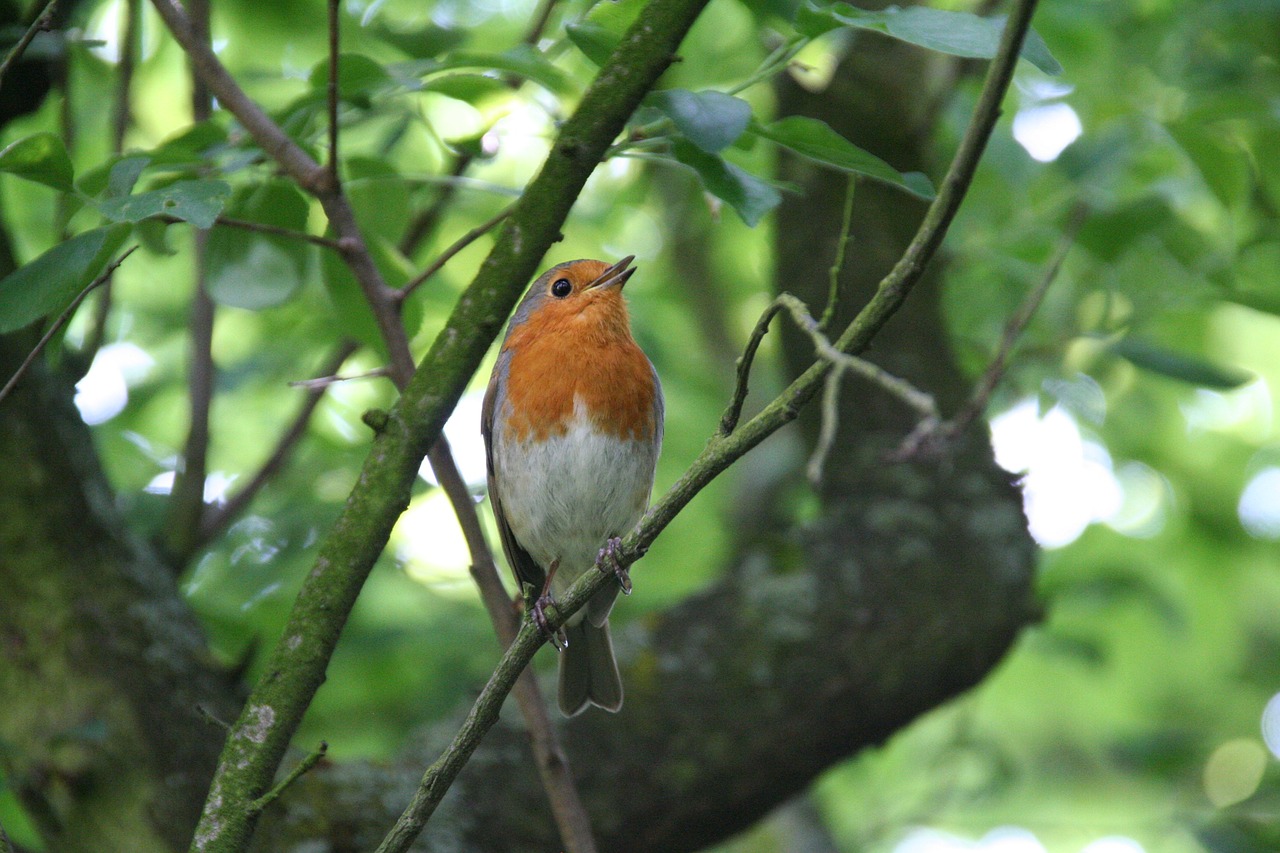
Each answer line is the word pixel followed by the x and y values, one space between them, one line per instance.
pixel 598 33
pixel 522 61
pixel 359 78
pixel 751 197
pixel 190 146
pixel 52 280
pixel 154 237
pixel 1180 366
pixel 471 88
pixel 710 120
pixel 198 202
pixel 123 175
pixel 815 139
pixel 594 40
pixel 425 43
pixel 379 196
pixel 255 270
pixel 40 157
pixel 955 33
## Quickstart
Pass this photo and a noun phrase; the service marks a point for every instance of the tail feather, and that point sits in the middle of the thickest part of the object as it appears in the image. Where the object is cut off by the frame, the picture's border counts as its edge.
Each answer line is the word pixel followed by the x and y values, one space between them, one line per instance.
pixel 588 671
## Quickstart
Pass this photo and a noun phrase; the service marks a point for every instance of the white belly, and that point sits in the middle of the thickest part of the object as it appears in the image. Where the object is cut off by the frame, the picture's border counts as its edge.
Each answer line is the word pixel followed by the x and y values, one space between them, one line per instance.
pixel 564 496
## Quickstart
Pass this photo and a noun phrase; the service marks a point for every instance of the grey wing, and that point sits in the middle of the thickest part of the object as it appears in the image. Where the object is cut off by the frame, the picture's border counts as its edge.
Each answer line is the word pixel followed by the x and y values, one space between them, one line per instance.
pixel 526 570
pixel 659 412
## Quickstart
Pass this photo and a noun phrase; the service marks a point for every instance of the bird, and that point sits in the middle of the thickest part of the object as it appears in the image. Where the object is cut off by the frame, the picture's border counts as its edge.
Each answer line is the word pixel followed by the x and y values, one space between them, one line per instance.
pixel 572 423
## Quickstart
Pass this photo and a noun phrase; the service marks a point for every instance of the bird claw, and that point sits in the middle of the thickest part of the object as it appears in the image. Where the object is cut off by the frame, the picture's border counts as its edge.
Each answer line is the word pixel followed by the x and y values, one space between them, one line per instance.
pixel 538 613
pixel 608 561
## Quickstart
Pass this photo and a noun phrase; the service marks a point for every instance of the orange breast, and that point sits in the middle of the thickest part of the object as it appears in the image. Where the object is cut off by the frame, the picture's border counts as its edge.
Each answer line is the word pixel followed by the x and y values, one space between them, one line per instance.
pixel 554 364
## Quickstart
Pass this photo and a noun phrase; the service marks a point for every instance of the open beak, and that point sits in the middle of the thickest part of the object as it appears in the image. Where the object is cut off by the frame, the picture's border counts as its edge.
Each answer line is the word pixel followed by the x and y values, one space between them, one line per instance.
pixel 614 276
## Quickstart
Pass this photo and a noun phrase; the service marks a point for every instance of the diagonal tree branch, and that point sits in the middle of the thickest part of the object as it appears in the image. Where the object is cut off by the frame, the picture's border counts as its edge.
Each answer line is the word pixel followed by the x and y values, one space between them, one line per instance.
pixel 724 449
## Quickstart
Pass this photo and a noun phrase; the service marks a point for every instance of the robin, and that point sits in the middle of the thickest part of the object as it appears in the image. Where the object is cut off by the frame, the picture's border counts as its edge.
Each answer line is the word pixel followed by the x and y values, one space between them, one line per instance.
pixel 572 425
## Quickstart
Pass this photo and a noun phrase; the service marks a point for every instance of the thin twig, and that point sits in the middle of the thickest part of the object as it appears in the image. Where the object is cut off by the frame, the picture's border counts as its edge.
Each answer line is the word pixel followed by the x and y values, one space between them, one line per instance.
pixel 57 324
pixel 724 449
pixel 122 114
pixel 334 39
pixel 322 382
pixel 263 228
pixel 425 222
pixel 122 118
pixel 217 520
pixel 15 53
pixel 449 253
pixel 539 22
pixel 842 242
pixel 186 500
pixel 931 439
pixel 294 775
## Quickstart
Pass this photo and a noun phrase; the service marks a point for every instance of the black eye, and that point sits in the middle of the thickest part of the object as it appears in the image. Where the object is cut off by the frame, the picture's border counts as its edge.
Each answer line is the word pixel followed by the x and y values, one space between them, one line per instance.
pixel 562 288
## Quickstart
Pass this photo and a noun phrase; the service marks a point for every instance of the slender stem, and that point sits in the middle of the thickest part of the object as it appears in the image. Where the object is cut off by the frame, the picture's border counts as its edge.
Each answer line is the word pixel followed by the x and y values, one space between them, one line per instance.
pixel 122 114
pixel 776 61
pixel 311 760
pixel 842 243
pixel 264 228
pixel 545 9
pixel 425 222
pixel 56 325
pixel 724 449
pixel 122 118
pixel 1017 324
pixel 41 22
pixel 449 253
pixel 933 438
pixel 334 41
pixel 186 502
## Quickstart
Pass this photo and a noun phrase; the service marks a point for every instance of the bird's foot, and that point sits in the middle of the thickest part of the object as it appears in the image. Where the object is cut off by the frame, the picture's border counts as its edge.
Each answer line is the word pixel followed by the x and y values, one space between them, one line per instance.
pixel 608 561
pixel 538 613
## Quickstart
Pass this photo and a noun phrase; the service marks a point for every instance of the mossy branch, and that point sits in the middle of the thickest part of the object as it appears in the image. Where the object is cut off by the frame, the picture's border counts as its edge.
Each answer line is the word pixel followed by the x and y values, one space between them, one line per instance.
pixel 727 446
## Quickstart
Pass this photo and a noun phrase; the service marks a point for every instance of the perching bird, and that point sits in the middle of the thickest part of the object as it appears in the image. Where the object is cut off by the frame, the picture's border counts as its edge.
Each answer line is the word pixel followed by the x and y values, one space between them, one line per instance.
pixel 572 424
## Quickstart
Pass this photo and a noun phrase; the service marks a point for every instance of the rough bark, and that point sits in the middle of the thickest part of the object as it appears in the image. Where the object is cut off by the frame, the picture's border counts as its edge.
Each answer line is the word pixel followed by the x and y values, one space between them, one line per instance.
pixel 102 666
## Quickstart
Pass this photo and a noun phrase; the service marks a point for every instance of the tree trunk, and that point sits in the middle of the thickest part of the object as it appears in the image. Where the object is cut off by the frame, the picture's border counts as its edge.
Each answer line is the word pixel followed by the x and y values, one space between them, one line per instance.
pixel 103 668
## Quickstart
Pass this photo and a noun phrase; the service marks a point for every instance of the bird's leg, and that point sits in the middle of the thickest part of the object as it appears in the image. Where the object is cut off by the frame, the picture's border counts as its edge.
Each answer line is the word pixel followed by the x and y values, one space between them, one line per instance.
pixel 539 611
pixel 608 561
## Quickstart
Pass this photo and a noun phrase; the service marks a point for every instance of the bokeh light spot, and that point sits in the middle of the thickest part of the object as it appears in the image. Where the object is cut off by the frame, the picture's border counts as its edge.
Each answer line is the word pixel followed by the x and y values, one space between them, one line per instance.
pixel 1045 131
pixel 1259 507
pixel 1271 725
pixel 1234 771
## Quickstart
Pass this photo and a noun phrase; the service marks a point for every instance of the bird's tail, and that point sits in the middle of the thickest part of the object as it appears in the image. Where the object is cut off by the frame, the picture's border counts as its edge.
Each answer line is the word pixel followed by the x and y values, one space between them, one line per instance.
pixel 588 672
